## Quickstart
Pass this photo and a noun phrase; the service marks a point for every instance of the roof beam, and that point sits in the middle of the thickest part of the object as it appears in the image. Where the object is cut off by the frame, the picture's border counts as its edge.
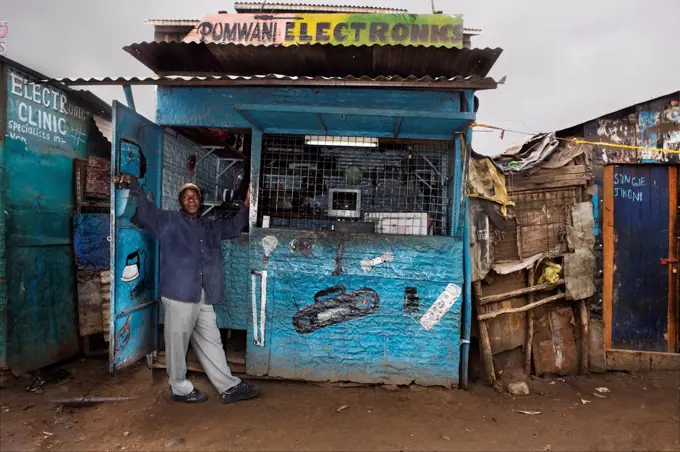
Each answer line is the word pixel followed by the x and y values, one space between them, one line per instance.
pixel 315 109
pixel 249 119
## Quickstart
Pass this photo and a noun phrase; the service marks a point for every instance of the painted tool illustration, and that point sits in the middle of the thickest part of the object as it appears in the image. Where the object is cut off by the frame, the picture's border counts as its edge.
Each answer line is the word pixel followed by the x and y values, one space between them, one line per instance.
pixel 335 305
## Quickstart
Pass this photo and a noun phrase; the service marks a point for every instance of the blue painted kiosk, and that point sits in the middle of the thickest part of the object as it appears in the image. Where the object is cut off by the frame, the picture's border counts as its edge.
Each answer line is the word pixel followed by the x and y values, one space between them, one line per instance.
pixel 353 268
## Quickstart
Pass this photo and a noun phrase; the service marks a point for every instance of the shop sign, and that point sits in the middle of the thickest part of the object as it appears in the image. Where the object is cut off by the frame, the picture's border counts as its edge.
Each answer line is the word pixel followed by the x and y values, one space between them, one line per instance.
pixel 38 112
pixel 426 30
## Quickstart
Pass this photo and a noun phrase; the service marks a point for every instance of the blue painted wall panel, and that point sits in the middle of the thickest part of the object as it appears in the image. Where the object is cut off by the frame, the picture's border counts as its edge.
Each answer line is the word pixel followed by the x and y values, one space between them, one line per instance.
pixel 388 345
pixel 640 299
pixel 232 312
pixel 137 145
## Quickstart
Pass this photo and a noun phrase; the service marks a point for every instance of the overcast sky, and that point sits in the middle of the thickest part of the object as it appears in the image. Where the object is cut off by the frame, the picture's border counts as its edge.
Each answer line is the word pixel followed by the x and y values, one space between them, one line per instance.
pixel 565 62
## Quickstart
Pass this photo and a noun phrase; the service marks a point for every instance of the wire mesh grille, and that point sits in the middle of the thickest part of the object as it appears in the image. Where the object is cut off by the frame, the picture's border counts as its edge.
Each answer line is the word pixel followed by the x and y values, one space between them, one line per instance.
pixel 355 184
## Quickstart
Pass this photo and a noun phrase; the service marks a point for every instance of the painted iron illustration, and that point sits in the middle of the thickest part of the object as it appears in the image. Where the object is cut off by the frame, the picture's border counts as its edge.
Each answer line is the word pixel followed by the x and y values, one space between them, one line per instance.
pixel 335 305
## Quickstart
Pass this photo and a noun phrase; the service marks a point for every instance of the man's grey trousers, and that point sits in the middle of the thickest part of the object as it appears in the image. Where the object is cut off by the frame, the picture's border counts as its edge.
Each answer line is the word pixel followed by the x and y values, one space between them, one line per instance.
pixel 194 323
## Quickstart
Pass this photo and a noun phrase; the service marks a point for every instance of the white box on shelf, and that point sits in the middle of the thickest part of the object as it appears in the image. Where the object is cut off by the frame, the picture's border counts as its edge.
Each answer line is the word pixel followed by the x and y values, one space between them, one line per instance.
pixel 403 223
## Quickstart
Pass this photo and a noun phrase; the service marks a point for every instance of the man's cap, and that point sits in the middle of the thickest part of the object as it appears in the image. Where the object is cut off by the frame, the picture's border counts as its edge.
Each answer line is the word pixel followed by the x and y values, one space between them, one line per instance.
pixel 187 186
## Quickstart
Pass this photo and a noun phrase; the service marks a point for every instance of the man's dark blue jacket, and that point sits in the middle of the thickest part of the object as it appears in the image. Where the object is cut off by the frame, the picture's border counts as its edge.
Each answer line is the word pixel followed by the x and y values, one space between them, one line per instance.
pixel 191 254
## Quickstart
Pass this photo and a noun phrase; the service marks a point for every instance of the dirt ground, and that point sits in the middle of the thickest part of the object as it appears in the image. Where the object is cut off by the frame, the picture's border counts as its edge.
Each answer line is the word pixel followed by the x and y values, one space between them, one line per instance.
pixel 640 412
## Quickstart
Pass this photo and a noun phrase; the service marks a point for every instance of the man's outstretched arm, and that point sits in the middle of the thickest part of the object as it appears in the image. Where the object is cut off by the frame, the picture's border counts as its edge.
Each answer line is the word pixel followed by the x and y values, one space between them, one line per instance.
pixel 148 216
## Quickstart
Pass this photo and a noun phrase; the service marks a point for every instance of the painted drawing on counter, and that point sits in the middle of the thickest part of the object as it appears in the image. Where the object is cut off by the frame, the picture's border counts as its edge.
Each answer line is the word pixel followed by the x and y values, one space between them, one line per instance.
pixel 335 305
pixel 303 244
pixel 123 335
pixel 132 266
pixel 269 244
pixel 441 306
pixel 411 300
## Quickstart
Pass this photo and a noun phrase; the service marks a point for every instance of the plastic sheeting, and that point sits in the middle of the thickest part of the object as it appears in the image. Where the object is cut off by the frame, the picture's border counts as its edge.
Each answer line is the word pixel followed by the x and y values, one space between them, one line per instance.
pixel 527 154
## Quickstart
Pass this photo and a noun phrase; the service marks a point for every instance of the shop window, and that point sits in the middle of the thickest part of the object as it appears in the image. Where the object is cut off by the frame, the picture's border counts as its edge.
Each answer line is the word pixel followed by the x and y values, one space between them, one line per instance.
pixel 355 184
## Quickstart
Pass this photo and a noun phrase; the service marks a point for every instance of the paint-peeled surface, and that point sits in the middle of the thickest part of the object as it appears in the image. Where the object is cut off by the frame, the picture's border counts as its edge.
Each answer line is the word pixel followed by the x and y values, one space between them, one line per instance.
pixel 329 319
pixel 640 299
pixel 232 312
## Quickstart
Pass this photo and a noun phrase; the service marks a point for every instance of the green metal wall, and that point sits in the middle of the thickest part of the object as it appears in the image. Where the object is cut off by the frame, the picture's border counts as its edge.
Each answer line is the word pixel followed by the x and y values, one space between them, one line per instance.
pixel 43 132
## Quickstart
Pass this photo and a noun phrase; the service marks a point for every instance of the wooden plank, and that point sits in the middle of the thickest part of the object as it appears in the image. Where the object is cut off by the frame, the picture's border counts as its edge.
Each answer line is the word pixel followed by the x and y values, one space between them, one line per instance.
pixel 508 332
pixel 493 315
pixel 672 253
pixel 637 361
pixel 572 175
pixel 608 242
pixel 520 292
pixel 487 355
pixel 530 323
pixel 573 181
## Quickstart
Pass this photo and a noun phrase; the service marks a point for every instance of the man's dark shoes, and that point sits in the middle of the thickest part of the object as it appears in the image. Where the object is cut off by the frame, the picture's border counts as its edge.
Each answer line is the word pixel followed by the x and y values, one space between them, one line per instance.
pixel 195 396
pixel 242 391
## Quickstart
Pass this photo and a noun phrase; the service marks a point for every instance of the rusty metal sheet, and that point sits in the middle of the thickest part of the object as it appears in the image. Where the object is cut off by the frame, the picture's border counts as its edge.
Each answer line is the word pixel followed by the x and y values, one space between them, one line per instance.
pixel 97 180
pixel 177 58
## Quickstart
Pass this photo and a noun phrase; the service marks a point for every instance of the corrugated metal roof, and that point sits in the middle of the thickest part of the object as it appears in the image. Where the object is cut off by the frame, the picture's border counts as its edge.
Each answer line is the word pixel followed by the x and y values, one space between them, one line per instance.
pixel 177 58
pixel 104 126
pixel 471 82
pixel 246 7
pixel 173 22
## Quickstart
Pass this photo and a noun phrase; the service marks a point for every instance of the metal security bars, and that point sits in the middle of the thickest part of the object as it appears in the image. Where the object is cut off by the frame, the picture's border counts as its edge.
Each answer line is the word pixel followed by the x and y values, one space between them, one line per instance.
pixel 353 184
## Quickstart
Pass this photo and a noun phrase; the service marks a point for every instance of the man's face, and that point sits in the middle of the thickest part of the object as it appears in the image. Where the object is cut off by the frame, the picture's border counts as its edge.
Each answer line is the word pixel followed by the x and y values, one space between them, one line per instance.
pixel 190 200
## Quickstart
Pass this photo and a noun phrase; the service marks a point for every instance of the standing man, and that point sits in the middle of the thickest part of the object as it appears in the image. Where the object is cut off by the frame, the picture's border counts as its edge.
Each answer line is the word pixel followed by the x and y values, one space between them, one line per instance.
pixel 191 282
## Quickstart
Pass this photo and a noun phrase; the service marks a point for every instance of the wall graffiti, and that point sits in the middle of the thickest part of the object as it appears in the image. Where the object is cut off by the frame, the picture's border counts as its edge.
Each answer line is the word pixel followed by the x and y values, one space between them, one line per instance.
pixel 39 111
pixel 123 335
pixel 628 187
pixel 335 305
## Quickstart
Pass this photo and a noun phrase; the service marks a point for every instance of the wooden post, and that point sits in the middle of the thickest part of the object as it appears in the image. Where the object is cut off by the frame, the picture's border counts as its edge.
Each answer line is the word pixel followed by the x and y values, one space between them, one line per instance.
pixel 530 325
pixel 520 292
pixel 529 307
pixel 609 243
pixel 484 341
pixel 583 309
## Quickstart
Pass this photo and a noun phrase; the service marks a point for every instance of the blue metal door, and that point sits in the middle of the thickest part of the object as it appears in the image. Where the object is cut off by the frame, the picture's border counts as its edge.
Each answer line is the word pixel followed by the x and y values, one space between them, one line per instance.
pixel 137 145
pixel 640 292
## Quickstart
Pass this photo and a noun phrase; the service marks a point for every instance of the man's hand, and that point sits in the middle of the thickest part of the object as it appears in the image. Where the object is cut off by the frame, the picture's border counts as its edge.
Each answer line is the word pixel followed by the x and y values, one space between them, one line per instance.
pixel 246 201
pixel 123 179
